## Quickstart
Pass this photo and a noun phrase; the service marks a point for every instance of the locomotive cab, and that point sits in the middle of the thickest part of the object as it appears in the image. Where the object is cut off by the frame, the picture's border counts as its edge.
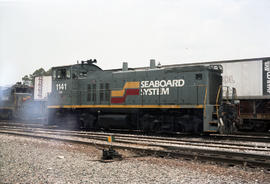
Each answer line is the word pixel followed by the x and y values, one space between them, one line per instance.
pixel 66 82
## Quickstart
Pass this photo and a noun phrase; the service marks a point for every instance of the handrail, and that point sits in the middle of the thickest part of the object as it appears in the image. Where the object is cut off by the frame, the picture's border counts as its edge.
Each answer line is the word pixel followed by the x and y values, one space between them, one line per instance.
pixel 217 99
pixel 205 99
pixel 205 96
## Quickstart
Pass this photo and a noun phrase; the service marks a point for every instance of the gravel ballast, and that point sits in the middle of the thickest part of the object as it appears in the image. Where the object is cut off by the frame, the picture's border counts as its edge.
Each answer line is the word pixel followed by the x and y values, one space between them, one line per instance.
pixel 30 160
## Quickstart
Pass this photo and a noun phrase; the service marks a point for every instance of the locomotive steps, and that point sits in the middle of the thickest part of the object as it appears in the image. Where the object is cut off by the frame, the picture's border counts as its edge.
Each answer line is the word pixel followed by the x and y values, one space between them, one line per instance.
pixel 232 153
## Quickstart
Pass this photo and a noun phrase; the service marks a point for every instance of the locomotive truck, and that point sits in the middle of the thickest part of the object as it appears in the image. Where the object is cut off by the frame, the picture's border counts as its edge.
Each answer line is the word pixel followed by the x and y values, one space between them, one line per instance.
pixel 178 99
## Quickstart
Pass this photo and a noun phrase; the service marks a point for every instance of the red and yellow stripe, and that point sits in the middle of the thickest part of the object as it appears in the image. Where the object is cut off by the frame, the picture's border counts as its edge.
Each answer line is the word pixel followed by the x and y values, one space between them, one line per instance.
pixel 130 88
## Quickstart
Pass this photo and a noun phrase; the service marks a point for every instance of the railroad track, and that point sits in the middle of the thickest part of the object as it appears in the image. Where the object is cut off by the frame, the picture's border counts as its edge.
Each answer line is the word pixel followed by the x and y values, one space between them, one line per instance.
pixel 245 137
pixel 124 138
pixel 252 154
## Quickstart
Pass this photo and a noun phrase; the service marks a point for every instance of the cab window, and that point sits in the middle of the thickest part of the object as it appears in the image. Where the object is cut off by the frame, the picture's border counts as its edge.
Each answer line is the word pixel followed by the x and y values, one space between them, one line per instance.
pixel 83 74
pixel 54 74
pixel 68 74
pixel 62 74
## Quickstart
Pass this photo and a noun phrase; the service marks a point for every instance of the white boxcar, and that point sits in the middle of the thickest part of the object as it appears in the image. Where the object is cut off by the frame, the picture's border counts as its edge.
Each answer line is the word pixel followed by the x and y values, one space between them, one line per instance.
pixel 245 76
pixel 43 86
pixel 250 77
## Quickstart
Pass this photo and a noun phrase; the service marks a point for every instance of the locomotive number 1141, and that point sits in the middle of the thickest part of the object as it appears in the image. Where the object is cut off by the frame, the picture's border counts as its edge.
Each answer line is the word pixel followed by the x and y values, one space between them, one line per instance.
pixel 60 87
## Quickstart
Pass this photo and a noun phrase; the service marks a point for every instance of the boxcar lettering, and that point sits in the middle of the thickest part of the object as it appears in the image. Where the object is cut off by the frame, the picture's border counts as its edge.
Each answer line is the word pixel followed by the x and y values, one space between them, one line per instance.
pixel 266 66
pixel 268 75
pixel 268 86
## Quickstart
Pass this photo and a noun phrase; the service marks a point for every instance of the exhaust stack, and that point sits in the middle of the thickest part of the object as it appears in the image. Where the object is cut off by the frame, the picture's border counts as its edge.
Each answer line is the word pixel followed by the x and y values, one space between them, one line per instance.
pixel 125 66
pixel 152 64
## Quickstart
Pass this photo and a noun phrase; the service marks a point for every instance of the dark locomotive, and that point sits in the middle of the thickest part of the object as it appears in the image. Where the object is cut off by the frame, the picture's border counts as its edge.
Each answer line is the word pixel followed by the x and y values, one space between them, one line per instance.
pixel 16 103
pixel 179 99
pixel 12 99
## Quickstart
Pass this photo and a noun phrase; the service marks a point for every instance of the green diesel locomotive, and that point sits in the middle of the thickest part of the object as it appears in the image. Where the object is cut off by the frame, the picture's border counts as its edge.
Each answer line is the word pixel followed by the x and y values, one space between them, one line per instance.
pixel 177 99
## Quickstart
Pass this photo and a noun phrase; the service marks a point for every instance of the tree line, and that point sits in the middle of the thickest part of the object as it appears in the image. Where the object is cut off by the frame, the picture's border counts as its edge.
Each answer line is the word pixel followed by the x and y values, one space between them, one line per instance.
pixel 30 79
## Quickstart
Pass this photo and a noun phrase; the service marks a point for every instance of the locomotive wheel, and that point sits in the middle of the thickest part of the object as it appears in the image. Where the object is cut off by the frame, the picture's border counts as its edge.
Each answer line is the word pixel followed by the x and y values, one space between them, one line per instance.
pixel 88 121
pixel 260 127
pixel 198 125
pixel 145 122
pixel 156 128
pixel 71 121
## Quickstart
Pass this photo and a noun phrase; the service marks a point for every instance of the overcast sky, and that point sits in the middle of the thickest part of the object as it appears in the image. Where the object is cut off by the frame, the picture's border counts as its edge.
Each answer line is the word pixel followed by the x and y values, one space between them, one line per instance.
pixel 35 34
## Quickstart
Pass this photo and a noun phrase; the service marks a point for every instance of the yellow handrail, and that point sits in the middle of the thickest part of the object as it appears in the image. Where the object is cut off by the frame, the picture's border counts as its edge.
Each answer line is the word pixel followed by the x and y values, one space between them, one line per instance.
pixel 205 98
pixel 217 98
